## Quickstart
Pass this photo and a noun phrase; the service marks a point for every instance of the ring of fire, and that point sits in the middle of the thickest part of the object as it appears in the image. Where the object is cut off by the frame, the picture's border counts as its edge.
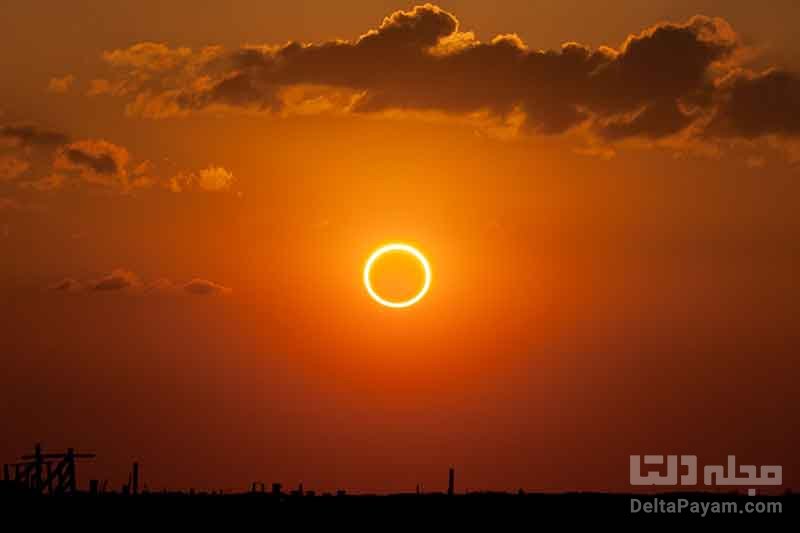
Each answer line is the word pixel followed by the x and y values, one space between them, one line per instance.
pixel 397 247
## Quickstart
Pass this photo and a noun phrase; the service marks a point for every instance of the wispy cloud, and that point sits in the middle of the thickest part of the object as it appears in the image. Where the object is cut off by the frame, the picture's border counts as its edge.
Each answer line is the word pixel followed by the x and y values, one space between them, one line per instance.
pixel 210 179
pixel 60 85
pixel 26 135
pixel 12 167
pixel 123 280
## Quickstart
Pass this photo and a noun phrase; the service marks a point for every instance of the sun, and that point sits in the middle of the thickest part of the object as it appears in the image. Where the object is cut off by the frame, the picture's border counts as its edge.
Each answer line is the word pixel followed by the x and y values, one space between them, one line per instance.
pixel 397 247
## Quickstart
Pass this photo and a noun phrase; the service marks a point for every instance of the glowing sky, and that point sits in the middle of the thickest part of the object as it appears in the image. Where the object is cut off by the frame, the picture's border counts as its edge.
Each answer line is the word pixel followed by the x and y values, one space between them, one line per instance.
pixel 606 192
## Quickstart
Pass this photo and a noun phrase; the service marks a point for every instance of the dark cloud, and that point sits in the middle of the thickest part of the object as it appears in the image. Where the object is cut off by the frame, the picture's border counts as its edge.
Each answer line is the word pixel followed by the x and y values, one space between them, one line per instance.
pixel 652 85
pixel 655 120
pixel 752 105
pixel 671 80
pixel 202 287
pixel 96 159
pixel 97 162
pixel 100 163
pixel 28 135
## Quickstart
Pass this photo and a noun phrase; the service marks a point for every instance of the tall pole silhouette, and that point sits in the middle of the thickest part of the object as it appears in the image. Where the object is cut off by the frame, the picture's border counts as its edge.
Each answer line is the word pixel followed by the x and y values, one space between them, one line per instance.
pixel 451 482
pixel 135 478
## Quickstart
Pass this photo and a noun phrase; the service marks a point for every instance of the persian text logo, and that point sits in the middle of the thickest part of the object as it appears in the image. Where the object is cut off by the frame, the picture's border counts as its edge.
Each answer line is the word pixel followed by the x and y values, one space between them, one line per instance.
pixel 770 475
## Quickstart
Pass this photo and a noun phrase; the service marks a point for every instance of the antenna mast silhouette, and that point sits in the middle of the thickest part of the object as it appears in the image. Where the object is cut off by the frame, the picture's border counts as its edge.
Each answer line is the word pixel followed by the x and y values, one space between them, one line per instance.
pixel 47 473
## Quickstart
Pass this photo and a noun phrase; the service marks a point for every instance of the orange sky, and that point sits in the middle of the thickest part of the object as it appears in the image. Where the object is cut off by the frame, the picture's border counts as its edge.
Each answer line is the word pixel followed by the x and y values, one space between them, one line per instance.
pixel 185 214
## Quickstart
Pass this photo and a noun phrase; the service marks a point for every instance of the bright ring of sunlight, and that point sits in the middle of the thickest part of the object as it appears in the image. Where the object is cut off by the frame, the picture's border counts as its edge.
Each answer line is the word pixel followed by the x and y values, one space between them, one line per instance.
pixel 397 247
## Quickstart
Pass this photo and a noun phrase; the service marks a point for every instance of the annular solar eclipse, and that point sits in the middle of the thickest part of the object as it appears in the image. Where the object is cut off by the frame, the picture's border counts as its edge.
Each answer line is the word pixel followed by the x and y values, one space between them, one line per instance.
pixel 390 248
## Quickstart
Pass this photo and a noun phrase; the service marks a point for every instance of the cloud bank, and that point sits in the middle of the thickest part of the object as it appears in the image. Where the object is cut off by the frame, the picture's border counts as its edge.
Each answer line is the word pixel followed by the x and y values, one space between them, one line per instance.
pixel 95 162
pixel 673 79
